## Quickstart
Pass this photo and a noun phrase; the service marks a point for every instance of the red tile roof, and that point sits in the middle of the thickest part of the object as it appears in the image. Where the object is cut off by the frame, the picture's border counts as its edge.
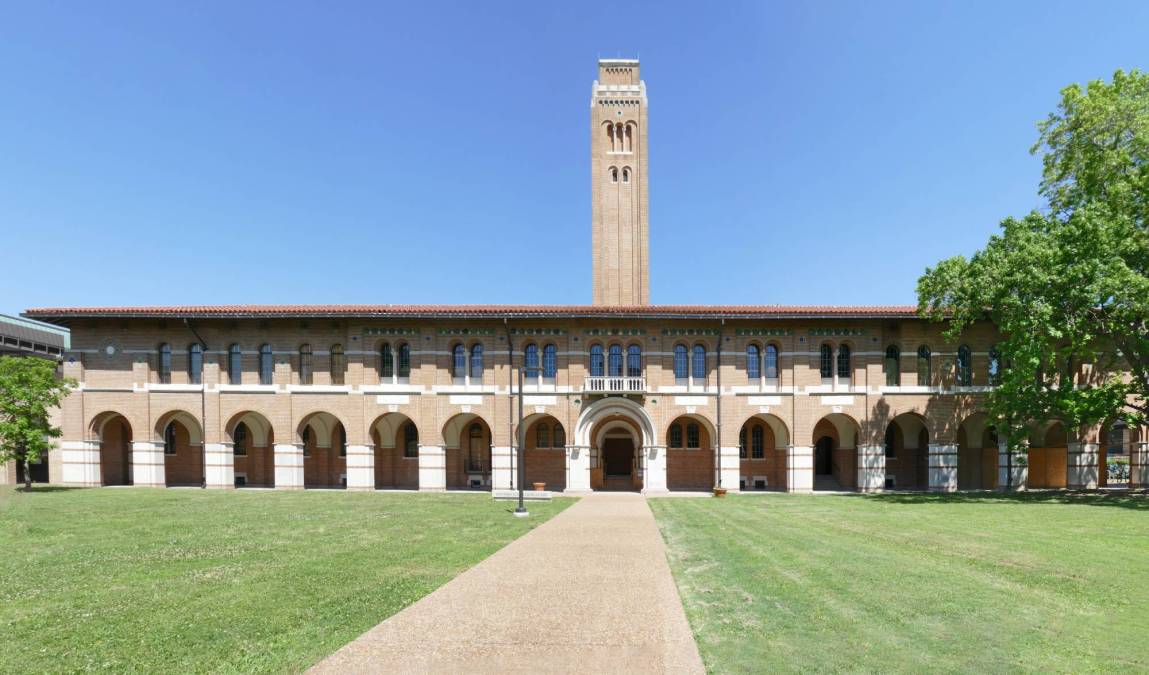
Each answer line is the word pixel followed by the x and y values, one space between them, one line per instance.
pixel 61 315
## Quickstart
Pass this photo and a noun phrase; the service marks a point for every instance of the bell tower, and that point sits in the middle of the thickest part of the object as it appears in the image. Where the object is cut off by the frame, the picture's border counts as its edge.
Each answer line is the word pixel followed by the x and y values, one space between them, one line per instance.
pixel 620 229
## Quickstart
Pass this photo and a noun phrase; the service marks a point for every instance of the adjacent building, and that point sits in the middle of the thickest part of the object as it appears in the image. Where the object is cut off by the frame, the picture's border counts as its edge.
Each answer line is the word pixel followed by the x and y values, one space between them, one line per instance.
pixel 619 394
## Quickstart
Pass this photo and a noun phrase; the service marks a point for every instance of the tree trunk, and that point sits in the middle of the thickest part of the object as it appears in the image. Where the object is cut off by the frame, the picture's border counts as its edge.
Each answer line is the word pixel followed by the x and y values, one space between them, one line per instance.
pixel 27 475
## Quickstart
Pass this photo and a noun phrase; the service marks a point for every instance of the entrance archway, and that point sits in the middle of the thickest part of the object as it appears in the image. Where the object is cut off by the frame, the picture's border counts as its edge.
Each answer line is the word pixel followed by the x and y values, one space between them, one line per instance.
pixel 396 440
pixel 545 451
pixel 252 445
pixel 977 454
pixel 690 454
pixel 324 441
pixel 620 416
pixel 182 438
pixel 907 452
pixel 468 440
pixel 762 444
pixel 1048 457
pixel 115 436
pixel 835 440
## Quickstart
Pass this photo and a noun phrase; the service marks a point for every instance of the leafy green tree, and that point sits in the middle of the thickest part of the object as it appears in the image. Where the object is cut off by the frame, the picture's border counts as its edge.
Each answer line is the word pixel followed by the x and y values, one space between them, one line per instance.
pixel 29 388
pixel 1067 286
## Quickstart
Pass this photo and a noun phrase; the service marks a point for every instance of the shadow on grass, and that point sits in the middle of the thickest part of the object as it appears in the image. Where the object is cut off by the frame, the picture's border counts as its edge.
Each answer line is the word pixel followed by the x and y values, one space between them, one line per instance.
pixel 1126 499
pixel 45 489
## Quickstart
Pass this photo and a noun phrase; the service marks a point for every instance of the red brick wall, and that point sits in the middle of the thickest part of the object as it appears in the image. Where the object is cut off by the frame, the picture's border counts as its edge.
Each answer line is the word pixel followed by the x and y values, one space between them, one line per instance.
pixel 323 467
pixel 690 468
pixel 258 465
pixel 116 453
pixel 185 467
pixel 547 466
pixel 773 463
pixel 457 476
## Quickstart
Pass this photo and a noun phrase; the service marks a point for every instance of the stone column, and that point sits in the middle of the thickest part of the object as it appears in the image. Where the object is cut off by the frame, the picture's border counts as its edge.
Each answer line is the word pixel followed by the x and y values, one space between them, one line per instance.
pixel 653 469
pixel 578 469
pixel 288 466
pixel 1020 468
pixel 148 464
pixel 800 469
pixel 432 468
pixel 943 467
pixel 81 461
pixel 219 467
pixel 871 468
pixel 504 462
pixel 729 469
pixel 1084 460
pixel 360 467
pixel 1139 466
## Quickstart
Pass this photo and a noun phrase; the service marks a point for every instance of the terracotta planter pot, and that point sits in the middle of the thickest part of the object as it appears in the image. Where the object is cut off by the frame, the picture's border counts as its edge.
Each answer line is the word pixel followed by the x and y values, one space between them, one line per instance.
pixel 539 487
pixel 719 492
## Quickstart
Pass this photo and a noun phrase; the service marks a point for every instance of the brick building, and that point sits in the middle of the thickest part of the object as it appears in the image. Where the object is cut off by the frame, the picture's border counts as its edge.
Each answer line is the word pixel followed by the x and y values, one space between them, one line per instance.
pixel 619 394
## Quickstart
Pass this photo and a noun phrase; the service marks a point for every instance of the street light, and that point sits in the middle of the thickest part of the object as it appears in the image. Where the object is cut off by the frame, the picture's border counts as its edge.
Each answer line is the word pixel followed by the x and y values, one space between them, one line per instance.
pixel 521 510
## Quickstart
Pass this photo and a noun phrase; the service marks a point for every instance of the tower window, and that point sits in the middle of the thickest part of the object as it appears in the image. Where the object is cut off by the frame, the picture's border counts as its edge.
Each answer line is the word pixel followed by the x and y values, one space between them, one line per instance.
pixel 613 174
pixel 626 174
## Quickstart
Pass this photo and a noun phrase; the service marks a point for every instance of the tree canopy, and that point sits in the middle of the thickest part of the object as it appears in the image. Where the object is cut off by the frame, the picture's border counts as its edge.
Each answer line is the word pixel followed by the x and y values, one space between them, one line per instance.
pixel 29 389
pixel 1068 285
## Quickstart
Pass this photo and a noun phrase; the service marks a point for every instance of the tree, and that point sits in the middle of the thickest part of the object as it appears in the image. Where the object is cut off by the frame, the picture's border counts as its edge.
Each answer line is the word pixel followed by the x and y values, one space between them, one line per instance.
pixel 29 388
pixel 1067 286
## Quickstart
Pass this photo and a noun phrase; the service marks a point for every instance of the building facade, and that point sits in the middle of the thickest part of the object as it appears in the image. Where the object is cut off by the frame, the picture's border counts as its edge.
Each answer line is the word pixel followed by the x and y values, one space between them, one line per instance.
pixel 619 394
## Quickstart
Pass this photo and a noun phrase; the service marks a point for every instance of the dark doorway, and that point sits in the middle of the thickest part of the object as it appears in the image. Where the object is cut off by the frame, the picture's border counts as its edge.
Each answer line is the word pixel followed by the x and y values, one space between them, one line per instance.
pixel 39 471
pixel 618 457
pixel 824 456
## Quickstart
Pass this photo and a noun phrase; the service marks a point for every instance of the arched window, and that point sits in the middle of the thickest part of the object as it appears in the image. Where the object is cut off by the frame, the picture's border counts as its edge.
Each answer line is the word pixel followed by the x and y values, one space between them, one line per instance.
pixel 770 363
pixel 542 435
pixel 634 361
pixel 459 362
pixel 963 367
pixel 531 360
pixel 477 362
pixel 826 361
pixel 386 362
pixel 235 364
pixel 753 364
pixel 410 440
pixel 924 366
pixel 681 369
pixel 614 362
pixel 550 363
pixel 305 364
pixel 698 364
pixel 195 363
pixel 675 440
pixel 164 365
pixel 560 439
pixel 170 439
pixel 843 362
pixel 630 138
pixel 610 136
pixel 757 443
pixel 239 440
pixel 404 366
pixel 266 364
pixel 613 174
pixel 993 369
pixel 626 174
pixel 597 366
pixel 338 364
pixel 892 366
pixel 693 436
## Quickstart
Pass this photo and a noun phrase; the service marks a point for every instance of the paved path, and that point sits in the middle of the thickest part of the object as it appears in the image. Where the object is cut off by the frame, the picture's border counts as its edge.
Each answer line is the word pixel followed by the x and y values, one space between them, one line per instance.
pixel 587 591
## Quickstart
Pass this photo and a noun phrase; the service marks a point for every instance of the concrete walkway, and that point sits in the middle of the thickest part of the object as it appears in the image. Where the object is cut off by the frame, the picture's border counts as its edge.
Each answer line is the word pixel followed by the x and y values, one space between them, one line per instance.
pixel 588 591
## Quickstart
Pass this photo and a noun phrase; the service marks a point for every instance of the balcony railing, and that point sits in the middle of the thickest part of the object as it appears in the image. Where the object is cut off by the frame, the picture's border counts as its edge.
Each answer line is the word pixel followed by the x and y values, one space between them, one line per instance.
pixel 615 385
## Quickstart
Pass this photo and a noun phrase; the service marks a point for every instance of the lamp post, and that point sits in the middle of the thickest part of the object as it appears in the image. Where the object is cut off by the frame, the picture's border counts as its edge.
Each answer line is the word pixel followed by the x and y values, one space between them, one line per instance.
pixel 521 509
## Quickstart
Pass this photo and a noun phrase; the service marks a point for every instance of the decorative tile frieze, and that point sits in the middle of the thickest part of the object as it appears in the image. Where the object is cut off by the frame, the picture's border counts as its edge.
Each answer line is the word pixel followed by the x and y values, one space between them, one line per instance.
pixel 690 331
pixel 466 331
pixel 615 331
pixel 764 332
pixel 538 331
pixel 836 332
pixel 390 331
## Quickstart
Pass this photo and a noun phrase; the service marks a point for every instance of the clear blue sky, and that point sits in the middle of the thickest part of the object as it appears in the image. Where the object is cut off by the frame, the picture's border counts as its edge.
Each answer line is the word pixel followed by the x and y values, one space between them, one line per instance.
pixel 226 152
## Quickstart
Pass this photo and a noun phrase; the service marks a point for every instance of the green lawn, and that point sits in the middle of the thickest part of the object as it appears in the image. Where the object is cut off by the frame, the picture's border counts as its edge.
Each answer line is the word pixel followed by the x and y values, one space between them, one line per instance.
pixel 985 582
pixel 130 580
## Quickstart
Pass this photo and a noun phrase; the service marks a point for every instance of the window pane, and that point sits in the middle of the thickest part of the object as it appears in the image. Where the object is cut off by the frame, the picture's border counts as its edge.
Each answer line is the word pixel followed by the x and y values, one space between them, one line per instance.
pixel 477 362
pixel 386 362
pixel 265 364
pixel 680 367
pixel 459 362
pixel 742 443
pixel 753 365
pixel 597 366
pixel 923 366
pixel 964 372
pixel 676 436
pixel 305 364
pixel 404 360
pixel 239 439
pixel 698 364
pixel 165 364
pixel 771 362
pixel 234 365
pixel 633 361
pixel 560 439
pixel 195 364
pixel 693 437
pixel 543 436
pixel 826 362
pixel 893 366
pixel 550 362
pixel 531 359
pixel 757 443
pixel 994 367
pixel 615 361
pixel 844 362
pixel 338 364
